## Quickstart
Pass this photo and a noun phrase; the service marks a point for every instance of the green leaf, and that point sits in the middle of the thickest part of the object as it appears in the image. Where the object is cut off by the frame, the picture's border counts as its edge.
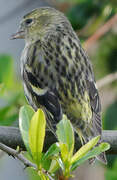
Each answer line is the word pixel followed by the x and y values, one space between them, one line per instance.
pixel 37 135
pixel 61 164
pixel 65 134
pixel 42 176
pixel 84 149
pixel 53 150
pixel 25 115
pixel 48 157
pixel 46 164
pixel 64 153
pixel 54 166
pixel 93 153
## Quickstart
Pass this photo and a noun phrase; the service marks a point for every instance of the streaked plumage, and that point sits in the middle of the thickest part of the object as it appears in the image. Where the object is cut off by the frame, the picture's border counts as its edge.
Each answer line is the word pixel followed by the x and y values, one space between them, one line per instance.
pixel 57 74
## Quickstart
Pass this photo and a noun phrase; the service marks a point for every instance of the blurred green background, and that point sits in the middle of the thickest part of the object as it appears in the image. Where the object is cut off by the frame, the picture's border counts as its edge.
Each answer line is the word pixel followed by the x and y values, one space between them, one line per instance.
pixel 87 18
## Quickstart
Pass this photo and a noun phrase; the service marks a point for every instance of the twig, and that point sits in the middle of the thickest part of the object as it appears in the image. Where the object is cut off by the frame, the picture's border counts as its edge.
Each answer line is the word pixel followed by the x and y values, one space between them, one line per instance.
pixel 17 155
pixel 100 32
pixel 107 80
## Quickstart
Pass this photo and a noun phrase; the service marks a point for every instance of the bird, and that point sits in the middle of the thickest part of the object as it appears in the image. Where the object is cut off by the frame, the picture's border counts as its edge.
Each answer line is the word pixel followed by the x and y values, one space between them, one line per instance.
pixel 57 73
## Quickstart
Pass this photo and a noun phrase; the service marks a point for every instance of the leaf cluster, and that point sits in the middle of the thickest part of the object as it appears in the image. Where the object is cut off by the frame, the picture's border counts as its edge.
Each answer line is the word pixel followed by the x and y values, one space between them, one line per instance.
pixel 59 155
pixel 11 93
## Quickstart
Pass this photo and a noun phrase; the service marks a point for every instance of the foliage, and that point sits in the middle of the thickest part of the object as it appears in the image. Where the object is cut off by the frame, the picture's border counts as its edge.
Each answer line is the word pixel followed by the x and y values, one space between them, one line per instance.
pixel 60 155
pixel 92 12
pixel 105 56
pixel 11 94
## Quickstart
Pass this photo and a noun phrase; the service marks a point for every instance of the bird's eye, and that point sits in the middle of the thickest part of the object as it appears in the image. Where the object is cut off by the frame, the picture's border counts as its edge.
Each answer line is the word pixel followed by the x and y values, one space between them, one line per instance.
pixel 28 21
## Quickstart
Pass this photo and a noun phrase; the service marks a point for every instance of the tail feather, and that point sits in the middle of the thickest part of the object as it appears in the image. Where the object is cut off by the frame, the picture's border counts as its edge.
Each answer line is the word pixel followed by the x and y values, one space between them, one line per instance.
pixel 102 157
pixel 84 139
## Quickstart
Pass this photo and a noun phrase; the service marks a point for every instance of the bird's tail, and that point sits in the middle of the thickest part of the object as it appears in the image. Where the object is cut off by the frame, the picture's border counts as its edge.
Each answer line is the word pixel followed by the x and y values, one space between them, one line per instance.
pixel 102 157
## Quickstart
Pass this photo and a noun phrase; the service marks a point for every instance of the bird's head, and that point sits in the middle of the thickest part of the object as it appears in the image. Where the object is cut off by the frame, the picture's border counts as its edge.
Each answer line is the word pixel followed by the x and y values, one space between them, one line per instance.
pixel 39 23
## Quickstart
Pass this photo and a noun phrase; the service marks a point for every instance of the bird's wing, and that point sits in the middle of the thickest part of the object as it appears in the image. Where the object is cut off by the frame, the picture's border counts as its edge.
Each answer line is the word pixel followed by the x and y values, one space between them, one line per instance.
pixel 43 95
pixel 95 106
pixel 92 91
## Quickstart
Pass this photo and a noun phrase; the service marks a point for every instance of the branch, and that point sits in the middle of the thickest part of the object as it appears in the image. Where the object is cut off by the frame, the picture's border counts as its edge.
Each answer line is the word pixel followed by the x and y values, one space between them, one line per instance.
pixel 100 32
pixel 11 137
pixel 110 136
pixel 107 80
pixel 17 155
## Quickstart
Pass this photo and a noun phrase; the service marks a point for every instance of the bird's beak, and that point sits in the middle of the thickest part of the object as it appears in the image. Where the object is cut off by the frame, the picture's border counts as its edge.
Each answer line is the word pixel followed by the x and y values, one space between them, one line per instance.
pixel 18 35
